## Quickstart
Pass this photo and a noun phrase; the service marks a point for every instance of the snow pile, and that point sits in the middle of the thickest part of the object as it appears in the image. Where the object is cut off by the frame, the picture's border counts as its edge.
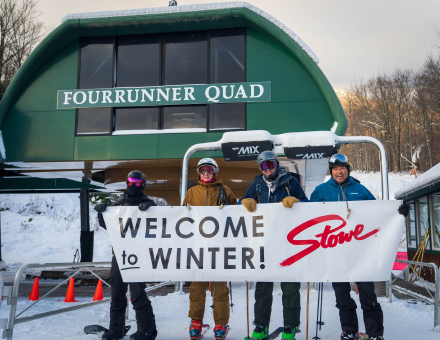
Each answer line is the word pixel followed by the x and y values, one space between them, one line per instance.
pixel 246 136
pixel 195 8
pixel 428 178
pixel 312 138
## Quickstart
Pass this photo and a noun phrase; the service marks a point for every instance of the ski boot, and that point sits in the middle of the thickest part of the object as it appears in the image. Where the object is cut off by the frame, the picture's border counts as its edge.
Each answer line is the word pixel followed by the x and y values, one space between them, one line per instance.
pixel 112 335
pixel 349 336
pixel 289 333
pixel 220 331
pixel 139 335
pixel 260 332
pixel 380 337
pixel 195 329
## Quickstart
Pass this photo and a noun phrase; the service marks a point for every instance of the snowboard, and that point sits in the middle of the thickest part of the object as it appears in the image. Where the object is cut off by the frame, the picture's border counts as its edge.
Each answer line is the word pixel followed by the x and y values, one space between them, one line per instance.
pixel 98 329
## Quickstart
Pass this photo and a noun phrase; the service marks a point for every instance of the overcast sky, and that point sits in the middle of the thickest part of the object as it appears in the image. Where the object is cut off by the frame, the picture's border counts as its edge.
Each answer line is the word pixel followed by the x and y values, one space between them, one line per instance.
pixel 353 39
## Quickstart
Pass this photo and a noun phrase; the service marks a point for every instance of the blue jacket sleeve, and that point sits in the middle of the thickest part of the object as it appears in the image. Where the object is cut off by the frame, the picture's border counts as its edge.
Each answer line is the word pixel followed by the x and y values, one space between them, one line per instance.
pixel 251 192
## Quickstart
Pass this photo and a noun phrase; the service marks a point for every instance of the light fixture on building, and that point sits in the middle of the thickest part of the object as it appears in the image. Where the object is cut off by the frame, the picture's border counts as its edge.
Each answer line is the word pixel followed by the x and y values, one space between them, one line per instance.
pixel 173 3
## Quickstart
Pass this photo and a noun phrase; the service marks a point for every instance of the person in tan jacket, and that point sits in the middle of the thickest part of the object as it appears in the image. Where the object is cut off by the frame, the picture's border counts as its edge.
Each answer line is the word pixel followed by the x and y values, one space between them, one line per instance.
pixel 210 191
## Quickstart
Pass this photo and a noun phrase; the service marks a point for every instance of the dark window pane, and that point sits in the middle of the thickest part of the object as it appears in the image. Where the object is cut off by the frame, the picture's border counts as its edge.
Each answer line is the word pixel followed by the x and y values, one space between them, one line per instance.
pixel 186 60
pixel 227 56
pixel 411 224
pixel 184 117
pixel 138 118
pixel 96 70
pixel 94 120
pixel 138 62
pixel 227 116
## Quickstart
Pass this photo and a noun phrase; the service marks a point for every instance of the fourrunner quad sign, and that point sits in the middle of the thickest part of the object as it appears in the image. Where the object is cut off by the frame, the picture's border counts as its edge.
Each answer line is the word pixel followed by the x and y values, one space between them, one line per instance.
pixel 165 95
pixel 312 242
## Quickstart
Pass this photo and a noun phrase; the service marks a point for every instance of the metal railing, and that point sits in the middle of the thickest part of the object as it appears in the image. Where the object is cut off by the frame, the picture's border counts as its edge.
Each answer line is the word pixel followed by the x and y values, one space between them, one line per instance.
pixel 12 294
pixel 434 300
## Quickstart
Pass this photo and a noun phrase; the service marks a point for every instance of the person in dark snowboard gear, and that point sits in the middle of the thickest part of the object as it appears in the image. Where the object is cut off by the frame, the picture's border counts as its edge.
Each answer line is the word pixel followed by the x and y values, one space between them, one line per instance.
pixel 209 191
pixel 145 320
pixel 342 187
pixel 274 185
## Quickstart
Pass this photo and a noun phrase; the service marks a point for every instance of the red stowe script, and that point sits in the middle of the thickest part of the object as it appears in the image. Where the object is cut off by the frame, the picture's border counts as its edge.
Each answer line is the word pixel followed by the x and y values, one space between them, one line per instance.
pixel 328 239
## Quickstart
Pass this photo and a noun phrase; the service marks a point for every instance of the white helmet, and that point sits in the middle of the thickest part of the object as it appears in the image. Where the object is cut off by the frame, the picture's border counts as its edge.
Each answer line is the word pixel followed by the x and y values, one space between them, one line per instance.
pixel 208 161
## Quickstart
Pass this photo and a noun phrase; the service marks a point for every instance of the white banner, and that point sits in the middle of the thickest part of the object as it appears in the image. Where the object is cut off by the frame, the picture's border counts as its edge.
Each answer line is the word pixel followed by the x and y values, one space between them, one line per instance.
pixel 312 242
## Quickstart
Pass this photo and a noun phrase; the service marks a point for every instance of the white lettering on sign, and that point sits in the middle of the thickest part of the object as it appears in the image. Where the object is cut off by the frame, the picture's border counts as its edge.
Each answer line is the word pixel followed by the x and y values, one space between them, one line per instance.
pixel 176 93
pixel 149 95
pixel 129 96
pixel 75 97
pixel 217 94
pixel 188 93
pixel 165 96
pixel 241 92
pixel 313 155
pixel 225 96
pixel 119 96
pixel 249 150
pixel 67 97
pixel 253 90
pixel 106 97
pixel 91 97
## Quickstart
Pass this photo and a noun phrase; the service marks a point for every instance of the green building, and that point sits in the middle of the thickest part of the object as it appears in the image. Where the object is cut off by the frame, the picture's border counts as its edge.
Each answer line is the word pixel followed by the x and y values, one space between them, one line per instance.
pixel 109 92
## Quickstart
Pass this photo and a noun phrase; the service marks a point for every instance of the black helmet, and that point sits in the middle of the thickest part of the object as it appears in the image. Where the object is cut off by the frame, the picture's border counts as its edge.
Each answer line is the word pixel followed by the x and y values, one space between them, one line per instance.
pixel 267 156
pixel 138 174
pixel 339 159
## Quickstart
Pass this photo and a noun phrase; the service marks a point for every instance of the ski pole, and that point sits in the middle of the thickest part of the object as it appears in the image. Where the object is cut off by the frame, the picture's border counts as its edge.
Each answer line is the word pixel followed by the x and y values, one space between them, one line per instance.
pixel 213 298
pixel 307 321
pixel 320 312
pixel 230 293
pixel 247 309
pixel 317 312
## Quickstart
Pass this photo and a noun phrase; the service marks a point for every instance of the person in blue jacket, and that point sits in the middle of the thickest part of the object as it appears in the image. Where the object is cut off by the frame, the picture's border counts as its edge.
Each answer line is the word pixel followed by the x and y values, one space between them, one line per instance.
pixel 274 185
pixel 342 187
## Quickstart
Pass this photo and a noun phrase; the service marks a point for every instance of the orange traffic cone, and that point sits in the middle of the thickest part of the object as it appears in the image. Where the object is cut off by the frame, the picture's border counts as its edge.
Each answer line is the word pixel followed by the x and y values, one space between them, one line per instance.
pixel 70 295
pixel 98 292
pixel 35 292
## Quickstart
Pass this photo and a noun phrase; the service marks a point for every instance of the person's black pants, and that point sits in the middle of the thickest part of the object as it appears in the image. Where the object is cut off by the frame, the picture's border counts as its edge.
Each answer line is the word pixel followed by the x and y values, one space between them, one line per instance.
pixel 373 315
pixel 141 304
pixel 291 303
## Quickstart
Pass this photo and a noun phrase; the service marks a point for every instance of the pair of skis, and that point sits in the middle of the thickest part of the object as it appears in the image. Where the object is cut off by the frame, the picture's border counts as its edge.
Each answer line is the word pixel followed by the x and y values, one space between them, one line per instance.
pixel 205 329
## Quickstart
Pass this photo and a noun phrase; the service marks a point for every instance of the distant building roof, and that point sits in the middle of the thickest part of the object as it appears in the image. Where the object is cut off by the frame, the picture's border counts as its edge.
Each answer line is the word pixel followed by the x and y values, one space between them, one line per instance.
pixel 194 8
pixel 428 181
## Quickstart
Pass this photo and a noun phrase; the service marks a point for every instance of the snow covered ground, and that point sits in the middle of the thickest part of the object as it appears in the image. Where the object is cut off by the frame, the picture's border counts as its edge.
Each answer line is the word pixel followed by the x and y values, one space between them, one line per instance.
pixel 46 228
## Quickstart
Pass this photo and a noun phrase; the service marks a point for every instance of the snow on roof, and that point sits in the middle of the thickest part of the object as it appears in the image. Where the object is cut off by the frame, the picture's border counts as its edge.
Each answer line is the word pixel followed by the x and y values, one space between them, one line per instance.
pixel 429 178
pixel 195 8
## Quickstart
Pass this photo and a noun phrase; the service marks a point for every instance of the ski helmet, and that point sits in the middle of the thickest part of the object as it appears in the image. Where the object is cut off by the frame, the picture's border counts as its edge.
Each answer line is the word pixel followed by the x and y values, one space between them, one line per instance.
pixel 267 156
pixel 339 159
pixel 208 161
pixel 138 174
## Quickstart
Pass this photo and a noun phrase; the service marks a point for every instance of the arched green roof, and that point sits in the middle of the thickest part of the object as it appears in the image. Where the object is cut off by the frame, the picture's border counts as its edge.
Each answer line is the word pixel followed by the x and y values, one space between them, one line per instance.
pixel 174 19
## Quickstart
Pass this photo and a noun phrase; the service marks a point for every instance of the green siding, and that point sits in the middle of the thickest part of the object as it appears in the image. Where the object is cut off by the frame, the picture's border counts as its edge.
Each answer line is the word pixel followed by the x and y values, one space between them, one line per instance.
pixel 39 136
pixel 116 147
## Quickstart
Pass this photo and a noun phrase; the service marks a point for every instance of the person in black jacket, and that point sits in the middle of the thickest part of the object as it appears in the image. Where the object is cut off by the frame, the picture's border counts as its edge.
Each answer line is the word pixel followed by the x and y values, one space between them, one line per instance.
pixel 146 325
pixel 274 185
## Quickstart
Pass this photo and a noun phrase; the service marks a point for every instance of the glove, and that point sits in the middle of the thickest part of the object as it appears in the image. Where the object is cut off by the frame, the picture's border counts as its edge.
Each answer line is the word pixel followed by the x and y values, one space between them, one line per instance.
pixel 288 201
pixel 188 206
pixel 404 209
pixel 250 204
pixel 101 207
pixel 144 206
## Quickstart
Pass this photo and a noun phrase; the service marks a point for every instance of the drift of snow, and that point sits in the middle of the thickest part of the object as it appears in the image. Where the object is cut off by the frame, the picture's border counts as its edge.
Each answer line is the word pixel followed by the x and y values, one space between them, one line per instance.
pixel 424 180
pixel 312 138
pixel 196 8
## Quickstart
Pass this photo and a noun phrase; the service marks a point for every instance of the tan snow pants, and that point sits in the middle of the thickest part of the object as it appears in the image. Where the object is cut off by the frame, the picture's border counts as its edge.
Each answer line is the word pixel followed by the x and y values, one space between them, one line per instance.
pixel 197 296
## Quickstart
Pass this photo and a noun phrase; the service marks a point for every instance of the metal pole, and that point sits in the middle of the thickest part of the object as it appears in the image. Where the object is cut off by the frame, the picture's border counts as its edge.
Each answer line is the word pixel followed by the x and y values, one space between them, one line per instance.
pixel 436 297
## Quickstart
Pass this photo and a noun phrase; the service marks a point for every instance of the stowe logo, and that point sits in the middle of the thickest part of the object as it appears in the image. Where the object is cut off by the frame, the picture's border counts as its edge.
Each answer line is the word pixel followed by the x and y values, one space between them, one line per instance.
pixel 326 239
pixel 250 150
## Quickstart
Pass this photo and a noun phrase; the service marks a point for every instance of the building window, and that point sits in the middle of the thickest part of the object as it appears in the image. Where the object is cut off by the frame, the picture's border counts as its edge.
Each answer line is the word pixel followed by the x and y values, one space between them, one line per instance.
pixel 214 56
pixel 411 226
pixel 138 61
pixel 137 118
pixel 435 221
pixel 184 117
pixel 227 56
pixel 423 219
pixel 186 59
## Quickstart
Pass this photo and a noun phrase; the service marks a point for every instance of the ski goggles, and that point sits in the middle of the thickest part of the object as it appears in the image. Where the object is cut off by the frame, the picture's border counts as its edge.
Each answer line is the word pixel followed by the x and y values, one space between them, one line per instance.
pixel 338 159
pixel 133 181
pixel 267 165
pixel 205 168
